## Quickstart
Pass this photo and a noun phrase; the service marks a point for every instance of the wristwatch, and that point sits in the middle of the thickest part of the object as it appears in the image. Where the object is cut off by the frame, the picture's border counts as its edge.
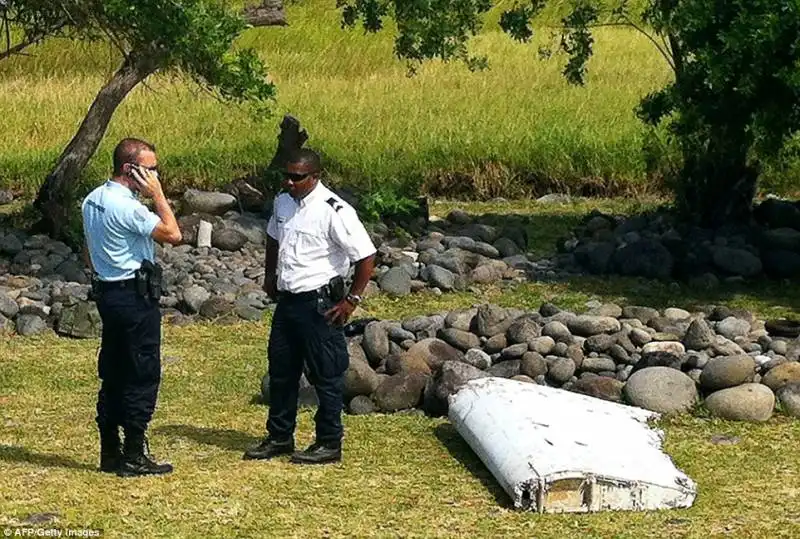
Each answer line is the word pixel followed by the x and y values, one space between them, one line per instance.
pixel 353 299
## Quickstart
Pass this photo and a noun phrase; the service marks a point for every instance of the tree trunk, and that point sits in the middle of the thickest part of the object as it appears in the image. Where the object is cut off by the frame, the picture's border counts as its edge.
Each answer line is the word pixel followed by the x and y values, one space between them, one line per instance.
pixel 718 185
pixel 56 194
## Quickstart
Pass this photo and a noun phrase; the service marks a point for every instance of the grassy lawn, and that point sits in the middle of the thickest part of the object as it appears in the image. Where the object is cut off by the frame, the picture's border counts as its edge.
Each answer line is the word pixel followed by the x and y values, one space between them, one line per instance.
pixel 374 124
pixel 403 475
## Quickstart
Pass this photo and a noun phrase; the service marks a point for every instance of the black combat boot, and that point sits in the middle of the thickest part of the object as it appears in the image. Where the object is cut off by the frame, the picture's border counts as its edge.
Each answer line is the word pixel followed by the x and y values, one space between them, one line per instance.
pixel 269 448
pixel 135 459
pixel 319 453
pixel 110 449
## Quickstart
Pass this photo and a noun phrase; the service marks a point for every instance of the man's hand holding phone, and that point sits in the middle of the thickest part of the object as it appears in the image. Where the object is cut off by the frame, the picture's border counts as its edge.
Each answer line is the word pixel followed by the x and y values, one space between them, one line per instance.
pixel 146 181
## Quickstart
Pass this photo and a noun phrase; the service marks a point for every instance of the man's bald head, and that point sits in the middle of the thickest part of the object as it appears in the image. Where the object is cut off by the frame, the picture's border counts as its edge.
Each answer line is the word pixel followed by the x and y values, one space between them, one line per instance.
pixel 128 151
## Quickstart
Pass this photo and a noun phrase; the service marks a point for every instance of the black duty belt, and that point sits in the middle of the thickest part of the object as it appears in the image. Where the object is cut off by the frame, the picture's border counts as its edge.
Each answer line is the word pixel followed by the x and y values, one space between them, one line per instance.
pixel 115 285
pixel 311 294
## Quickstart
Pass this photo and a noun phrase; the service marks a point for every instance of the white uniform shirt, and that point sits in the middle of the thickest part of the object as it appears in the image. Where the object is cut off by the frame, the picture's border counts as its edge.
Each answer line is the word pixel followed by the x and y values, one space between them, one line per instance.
pixel 318 238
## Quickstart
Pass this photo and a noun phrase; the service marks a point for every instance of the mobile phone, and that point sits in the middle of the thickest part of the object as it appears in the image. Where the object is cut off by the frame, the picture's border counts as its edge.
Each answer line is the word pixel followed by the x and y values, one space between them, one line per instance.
pixel 138 177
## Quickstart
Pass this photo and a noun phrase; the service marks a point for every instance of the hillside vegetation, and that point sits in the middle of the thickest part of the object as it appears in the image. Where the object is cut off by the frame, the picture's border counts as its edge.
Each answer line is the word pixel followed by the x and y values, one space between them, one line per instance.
pixel 503 131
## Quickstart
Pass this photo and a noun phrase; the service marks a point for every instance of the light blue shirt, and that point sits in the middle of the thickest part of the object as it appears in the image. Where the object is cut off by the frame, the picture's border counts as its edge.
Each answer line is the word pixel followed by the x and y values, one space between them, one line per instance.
pixel 117 228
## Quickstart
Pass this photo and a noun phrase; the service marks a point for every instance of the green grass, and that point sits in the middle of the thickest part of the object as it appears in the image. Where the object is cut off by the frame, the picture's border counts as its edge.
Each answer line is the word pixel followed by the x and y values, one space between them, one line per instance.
pixel 402 476
pixel 514 129
pixel 515 124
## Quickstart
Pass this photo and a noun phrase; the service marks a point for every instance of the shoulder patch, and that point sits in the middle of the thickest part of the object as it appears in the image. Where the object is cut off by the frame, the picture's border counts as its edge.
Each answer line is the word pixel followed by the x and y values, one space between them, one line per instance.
pixel 335 204
pixel 95 205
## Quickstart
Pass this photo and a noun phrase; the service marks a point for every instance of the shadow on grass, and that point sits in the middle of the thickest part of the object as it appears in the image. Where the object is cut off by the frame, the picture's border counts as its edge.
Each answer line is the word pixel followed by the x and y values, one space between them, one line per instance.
pixel 13 453
pixel 461 451
pixel 228 439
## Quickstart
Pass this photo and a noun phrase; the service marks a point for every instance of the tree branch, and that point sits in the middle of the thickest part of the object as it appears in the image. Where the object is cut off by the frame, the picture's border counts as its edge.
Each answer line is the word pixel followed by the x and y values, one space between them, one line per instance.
pixel 630 24
pixel 20 46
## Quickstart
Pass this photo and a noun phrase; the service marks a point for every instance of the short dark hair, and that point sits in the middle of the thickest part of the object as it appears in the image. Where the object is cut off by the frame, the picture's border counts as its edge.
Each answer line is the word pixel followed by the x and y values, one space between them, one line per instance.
pixel 128 150
pixel 306 156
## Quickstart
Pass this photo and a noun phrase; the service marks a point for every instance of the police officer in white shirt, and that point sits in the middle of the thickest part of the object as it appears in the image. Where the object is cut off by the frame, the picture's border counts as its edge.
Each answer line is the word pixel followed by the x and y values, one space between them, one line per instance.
pixel 120 232
pixel 313 238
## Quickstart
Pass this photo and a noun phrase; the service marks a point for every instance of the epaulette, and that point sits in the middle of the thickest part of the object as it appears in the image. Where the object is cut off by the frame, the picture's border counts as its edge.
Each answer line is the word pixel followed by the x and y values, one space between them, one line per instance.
pixel 335 204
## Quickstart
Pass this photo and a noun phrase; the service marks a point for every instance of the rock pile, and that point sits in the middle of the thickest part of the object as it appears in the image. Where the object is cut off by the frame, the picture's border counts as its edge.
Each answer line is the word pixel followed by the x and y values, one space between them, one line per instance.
pixel 218 271
pixel 666 361
pixel 658 246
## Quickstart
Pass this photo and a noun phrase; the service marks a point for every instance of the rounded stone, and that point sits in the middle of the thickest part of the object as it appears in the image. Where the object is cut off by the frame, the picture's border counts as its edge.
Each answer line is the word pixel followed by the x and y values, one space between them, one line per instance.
pixel 699 335
pixel 400 391
pixel 747 402
pixel 362 405
pixel 661 389
pixel 600 387
pixel 463 340
pixel 727 371
pixel 779 347
pixel 557 331
pixel 676 314
pixel 478 358
pixel 533 364
pixel 396 282
pixel 598 364
pixel 783 374
pixel 732 327
pixel 560 349
pixel 587 325
pixel 359 379
pixel 542 345
pixel 671 347
pixel 789 397
pixel 561 369
pixel 640 337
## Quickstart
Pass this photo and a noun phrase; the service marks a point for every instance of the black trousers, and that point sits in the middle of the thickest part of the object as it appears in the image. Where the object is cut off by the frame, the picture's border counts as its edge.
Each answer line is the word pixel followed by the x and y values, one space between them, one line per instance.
pixel 301 336
pixel 129 365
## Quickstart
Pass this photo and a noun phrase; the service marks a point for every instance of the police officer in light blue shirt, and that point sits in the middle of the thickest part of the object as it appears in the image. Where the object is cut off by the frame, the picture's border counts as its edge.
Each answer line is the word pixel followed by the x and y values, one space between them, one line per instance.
pixel 120 234
pixel 118 229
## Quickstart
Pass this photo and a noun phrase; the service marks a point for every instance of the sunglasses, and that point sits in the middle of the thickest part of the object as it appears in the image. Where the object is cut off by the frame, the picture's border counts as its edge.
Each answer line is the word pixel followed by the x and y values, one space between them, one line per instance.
pixel 152 169
pixel 296 178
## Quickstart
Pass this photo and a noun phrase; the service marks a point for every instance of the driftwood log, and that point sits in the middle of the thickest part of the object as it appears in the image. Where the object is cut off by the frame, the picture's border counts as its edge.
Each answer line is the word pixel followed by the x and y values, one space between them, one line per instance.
pixel 267 13
pixel 291 138
pixel 255 191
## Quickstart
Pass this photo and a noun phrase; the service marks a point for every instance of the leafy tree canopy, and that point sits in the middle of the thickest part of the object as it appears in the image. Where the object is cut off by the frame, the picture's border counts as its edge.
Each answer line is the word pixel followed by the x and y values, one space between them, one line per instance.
pixel 191 37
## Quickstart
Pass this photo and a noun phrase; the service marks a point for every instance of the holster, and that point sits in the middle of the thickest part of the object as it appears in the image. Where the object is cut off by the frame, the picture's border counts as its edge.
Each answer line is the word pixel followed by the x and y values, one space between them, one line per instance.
pixel 336 288
pixel 149 280
pixel 96 292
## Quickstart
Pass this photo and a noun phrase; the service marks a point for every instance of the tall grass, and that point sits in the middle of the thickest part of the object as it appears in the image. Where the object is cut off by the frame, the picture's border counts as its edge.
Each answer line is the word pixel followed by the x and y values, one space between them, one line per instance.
pixel 446 128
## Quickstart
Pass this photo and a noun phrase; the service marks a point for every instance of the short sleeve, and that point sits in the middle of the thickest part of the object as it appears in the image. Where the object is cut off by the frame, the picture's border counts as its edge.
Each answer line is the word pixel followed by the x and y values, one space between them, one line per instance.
pixel 138 219
pixel 272 224
pixel 349 233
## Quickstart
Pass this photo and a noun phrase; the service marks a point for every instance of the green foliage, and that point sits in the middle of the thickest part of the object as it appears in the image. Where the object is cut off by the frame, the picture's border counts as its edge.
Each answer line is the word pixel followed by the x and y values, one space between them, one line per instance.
pixel 190 37
pixel 737 70
pixel 735 96
pixel 386 202
pixel 426 28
